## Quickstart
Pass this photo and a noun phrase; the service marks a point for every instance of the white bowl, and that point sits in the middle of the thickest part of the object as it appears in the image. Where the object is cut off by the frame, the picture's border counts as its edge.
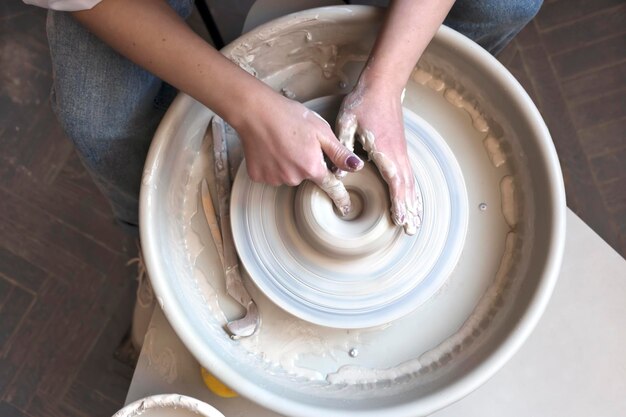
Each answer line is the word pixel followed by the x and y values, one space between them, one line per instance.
pixel 453 342
pixel 168 405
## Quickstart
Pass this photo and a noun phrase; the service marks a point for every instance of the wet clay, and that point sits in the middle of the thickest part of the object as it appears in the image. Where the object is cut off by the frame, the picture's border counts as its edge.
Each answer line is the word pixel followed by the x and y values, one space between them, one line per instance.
pixel 490 142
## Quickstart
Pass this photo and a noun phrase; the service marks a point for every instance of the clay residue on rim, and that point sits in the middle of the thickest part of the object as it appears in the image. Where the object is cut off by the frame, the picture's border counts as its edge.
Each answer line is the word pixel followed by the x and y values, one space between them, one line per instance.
pixel 294 39
pixel 491 142
pixel 304 339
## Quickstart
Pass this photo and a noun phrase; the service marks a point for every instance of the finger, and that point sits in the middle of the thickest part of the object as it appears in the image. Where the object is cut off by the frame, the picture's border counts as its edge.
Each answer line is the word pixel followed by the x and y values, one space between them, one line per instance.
pixel 405 214
pixel 319 116
pixel 404 207
pixel 412 221
pixel 408 212
pixel 339 155
pixel 415 208
pixel 335 189
pixel 389 171
pixel 346 129
pixel 398 211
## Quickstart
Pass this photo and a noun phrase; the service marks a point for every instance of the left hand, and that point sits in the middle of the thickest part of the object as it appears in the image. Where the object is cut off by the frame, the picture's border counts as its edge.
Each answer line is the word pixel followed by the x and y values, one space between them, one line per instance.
pixel 374 116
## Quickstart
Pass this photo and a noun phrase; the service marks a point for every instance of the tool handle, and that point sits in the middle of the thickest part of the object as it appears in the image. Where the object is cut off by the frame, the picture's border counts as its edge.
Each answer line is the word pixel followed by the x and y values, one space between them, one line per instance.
pixel 234 284
pixel 211 218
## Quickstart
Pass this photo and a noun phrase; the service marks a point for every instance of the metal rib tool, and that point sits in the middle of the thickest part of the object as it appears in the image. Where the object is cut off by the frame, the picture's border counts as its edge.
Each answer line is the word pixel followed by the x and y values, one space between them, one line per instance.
pixel 249 324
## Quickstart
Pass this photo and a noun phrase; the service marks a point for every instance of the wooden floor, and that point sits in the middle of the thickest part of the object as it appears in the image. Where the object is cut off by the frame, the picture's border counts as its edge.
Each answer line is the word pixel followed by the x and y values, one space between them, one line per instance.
pixel 66 294
pixel 572 61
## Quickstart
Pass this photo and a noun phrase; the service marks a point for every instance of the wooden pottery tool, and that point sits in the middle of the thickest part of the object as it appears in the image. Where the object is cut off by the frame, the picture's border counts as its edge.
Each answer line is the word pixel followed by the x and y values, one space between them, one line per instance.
pixel 249 324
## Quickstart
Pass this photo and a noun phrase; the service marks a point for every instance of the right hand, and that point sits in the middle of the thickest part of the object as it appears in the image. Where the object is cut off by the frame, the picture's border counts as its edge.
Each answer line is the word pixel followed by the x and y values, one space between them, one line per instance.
pixel 284 143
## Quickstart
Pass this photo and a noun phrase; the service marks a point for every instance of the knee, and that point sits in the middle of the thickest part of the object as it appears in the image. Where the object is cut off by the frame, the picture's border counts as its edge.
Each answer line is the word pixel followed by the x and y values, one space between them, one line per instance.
pixel 104 113
pixel 514 14
pixel 492 23
pixel 87 120
pixel 494 13
pixel 97 94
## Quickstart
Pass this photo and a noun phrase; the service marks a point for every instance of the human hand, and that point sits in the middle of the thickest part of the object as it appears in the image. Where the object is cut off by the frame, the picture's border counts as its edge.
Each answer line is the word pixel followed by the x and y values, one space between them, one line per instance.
pixel 374 116
pixel 284 143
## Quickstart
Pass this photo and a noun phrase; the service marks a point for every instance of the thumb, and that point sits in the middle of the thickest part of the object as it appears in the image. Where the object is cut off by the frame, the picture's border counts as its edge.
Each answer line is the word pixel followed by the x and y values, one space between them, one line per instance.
pixel 346 127
pixel 335 189
pixel 339 155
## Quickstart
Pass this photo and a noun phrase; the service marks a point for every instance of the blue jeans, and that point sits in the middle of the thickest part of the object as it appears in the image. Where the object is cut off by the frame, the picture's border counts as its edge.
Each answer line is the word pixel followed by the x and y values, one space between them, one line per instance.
pixel 491 23
pixel 110 107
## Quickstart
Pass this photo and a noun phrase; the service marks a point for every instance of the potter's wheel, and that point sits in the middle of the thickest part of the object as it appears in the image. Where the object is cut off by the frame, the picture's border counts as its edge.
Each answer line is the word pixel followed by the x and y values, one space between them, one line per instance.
pixel 457 300
pixel 361 270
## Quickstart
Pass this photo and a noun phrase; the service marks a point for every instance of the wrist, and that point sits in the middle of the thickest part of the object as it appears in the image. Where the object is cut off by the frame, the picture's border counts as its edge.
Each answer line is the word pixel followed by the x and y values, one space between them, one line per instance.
pixel 246 104
pixel 381 83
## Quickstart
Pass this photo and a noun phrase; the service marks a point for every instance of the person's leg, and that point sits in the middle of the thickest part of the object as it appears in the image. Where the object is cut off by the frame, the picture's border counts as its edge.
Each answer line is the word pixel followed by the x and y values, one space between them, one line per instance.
pixel 108 107
pixel 491 23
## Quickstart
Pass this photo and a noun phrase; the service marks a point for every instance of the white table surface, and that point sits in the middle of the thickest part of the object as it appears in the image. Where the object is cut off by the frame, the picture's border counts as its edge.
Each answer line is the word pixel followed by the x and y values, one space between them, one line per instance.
pixel 573 364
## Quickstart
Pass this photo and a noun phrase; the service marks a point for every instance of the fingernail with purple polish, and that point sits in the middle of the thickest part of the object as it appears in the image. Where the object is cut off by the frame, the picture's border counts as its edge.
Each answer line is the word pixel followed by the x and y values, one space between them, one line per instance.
pixel 354 163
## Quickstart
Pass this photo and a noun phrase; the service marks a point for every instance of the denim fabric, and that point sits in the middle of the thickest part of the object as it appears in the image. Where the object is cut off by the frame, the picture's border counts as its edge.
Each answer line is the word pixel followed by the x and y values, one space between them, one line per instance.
pixel 491 23
pixel 110 107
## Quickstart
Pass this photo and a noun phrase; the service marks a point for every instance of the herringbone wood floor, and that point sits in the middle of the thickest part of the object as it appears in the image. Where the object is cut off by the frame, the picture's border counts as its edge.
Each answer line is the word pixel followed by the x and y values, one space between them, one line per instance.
pixel 66 294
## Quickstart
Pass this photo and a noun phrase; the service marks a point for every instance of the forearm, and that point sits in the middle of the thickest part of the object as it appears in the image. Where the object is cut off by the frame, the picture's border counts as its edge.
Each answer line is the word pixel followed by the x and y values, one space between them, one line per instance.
pixel 151 34
pixel 408 29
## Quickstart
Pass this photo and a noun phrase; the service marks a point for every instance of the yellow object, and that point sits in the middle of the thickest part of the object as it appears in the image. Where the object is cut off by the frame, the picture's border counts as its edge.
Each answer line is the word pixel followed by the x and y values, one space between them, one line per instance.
pixel 216 386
